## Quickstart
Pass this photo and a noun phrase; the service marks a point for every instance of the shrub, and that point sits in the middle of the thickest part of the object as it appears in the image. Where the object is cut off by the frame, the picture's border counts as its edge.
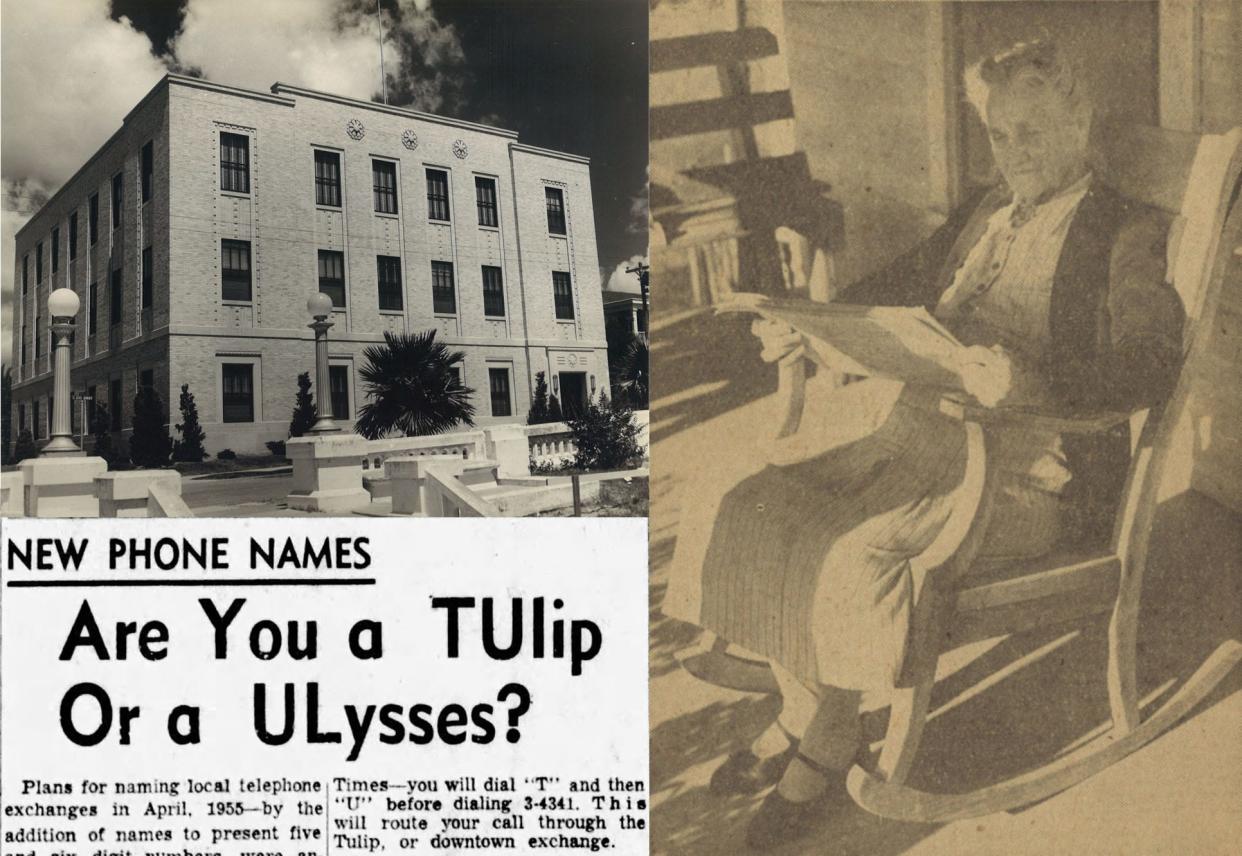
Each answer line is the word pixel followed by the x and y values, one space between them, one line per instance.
pixel 150 445
pixel 605 436
pixel 24 447
pixel 276 447
pixel 226 455
pixel 538 413
pixel 554 410
pixel 304 411
pixel 102 429
pixel 190 446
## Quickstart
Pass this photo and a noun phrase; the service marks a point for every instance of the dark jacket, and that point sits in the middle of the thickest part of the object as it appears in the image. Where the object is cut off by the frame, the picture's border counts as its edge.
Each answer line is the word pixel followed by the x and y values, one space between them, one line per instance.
pixel 1115 325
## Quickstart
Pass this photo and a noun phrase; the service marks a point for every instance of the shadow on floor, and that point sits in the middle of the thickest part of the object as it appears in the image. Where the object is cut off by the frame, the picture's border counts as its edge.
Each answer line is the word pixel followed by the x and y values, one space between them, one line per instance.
pixel 1192 602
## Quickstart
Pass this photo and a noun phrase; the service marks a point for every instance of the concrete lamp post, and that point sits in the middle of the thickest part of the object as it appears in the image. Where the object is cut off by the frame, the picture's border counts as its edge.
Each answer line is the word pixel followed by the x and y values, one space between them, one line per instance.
pixel 62 305
pixel 320 308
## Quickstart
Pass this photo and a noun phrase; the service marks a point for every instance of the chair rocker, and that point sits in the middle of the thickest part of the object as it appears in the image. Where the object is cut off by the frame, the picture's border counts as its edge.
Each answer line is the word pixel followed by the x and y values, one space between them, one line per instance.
pixel 1196 179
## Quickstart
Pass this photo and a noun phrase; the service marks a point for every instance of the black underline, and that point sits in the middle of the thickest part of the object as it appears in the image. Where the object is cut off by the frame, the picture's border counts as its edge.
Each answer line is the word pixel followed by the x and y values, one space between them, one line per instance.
pixel 247 581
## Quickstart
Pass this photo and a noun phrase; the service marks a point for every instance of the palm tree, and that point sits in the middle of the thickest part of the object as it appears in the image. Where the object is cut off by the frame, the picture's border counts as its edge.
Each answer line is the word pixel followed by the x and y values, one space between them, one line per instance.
pixel 633 380
pixel 412 387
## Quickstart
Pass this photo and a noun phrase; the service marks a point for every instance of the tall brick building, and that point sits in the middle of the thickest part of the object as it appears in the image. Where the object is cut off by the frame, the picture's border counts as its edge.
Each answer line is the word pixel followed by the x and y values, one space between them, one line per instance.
pixel 195 235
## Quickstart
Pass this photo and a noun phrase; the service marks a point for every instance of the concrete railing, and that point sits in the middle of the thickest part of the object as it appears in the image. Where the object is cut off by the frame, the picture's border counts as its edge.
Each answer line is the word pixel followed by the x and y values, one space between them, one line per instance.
pixel 431 486
pixel 551 444
pixel 127 494
pixel 163 501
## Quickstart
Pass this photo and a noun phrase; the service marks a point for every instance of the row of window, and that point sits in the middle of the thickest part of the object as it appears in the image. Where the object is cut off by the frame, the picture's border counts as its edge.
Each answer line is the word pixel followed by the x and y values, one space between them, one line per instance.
pixel 118 206
pixel 235 177
pixel 236 279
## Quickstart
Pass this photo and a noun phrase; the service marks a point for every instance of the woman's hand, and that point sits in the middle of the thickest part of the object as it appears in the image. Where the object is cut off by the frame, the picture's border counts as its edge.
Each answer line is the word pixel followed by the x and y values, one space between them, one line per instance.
pixel 987 374
pixel 779 340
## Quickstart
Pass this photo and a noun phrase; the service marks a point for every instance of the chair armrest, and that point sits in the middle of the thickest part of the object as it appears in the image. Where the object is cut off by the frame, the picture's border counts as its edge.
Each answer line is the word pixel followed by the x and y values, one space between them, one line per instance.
pixel 1092 423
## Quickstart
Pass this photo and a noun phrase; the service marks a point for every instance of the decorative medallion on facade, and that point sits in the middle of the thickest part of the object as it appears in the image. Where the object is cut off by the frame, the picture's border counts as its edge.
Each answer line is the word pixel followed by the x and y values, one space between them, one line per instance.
pixel 355 129
pixel 409 139
pixel 459 148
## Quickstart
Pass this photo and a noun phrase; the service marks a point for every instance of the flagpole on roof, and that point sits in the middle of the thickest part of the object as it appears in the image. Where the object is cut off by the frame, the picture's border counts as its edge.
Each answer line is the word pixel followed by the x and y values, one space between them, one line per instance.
pixel 383 77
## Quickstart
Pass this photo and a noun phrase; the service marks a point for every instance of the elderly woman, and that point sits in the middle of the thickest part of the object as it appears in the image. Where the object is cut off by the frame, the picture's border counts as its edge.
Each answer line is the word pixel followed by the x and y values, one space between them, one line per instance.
pixel 1057 285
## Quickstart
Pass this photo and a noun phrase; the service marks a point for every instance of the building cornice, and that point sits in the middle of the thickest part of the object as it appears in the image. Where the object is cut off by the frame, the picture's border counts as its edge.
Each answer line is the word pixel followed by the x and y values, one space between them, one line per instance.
pixel 278 88
pixel 236 91
pixel 548 153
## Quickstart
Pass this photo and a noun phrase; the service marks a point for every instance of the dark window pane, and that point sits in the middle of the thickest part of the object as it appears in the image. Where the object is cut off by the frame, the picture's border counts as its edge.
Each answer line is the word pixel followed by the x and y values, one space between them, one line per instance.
pixel 332 276
pixel 235 270
pixel 115 405
pixel 563 295
pixel 338 381
pixel 238 392
pixel 73 235
pixel 39 262
pixel 25 273
pixel 498 381
pixel 493 292
pixel 24 344
pixel 328 179
pixel 384 181
pixel 38 422
pixel 485 196
pixel 55 250
pixel 437 194
pixel 92 309
pixel 556 210
pixel 443 295
pixel 92 405
pixel 146 379
pixel 93 218
pixel 118 192
pixel 148 278
pixel 235 163
pixel 148 170
pixel 117 297
pixel 388 271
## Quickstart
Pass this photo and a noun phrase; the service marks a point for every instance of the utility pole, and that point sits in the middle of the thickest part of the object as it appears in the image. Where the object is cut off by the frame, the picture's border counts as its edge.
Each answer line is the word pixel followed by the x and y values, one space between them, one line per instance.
pixel 644 272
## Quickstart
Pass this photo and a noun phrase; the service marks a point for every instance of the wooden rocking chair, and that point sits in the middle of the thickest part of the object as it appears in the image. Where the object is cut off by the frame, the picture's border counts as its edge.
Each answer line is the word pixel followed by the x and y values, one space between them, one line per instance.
pixel 1196 180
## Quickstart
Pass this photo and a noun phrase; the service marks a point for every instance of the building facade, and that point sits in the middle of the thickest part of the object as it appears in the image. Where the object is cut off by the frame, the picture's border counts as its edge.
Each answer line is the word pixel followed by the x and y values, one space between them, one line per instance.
pixel 195 235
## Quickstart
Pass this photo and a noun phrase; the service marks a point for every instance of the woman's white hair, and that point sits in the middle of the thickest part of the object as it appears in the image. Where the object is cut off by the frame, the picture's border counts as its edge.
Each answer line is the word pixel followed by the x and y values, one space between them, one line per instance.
pixel 1038 65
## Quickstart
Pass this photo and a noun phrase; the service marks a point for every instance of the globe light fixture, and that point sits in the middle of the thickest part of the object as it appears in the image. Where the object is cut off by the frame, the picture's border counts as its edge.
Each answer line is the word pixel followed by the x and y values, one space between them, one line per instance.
pixel 320 308
pixel 62 305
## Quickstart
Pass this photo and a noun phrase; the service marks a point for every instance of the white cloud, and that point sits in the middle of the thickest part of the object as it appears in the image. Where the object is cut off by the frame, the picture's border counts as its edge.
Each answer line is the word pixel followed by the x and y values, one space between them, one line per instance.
pixel 619 280
pixel 69 75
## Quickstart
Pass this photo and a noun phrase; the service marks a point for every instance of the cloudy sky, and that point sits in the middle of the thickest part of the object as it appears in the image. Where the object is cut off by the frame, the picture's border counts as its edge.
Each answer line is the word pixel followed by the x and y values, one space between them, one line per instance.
pixel 565 74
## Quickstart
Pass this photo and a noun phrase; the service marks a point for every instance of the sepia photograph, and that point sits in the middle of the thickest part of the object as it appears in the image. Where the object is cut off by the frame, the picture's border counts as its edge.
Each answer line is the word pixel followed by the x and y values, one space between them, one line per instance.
pixel 946 526
pixel 382 257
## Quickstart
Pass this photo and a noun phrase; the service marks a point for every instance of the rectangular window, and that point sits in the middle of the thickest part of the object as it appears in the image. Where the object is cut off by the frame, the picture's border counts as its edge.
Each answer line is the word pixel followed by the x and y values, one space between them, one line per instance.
pixel 338 382
pixel 328 179
pixel 38 337
pixel 384 183
pixel 238 392
pixel 388 271
pixel 556 210
pixel 148 169
pixel 563 295
pixel 148 278
pixel 21 417
pixel 118 197
pixel 455 371
pixel 38 263
pixel 24 360
pixel 332 276
pixel 443 295
pixel 235 270
pixel 25 273
pixel 38 421
pixel 92 309
pixel 493 292
pixel 485 198
pixel 92 404
pixel 498 381
pixel 437 194
pixel 234 162
pixel 116 298
pixel 73 235
pixel 115 405
pixel 92 217
pixel 146 379
pixel 55 250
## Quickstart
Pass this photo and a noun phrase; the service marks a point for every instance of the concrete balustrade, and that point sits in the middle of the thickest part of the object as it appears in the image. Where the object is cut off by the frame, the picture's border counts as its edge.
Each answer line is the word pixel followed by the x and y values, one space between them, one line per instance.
pixel 126 494
pixel 163 501
pixel 327 473
pixel 12 493
pixel 61 486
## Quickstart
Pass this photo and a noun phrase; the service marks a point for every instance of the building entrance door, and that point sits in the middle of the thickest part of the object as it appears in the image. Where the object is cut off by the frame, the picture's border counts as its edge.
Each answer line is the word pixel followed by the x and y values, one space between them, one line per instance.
pixel 573 393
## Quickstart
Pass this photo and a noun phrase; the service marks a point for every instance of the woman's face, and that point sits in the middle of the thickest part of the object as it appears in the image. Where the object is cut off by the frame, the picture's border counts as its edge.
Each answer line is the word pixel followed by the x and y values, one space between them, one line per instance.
pixel 1039 145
